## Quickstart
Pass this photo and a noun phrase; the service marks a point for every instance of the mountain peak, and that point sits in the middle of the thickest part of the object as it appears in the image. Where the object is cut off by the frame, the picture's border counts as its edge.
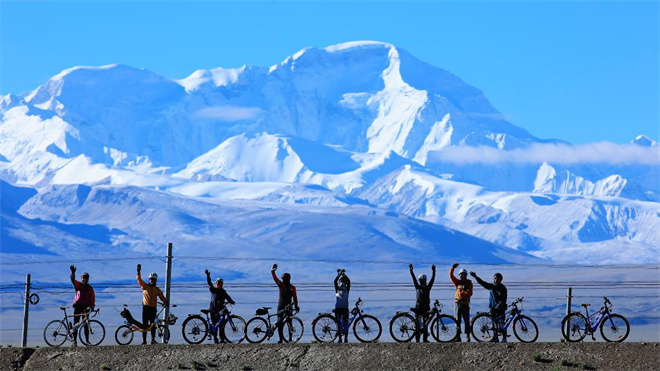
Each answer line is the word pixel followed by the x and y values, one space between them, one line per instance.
pixel 644 141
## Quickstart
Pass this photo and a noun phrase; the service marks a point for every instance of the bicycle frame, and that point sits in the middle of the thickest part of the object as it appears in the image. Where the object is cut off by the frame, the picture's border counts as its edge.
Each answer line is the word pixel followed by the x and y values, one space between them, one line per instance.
pixel 601 315
pixel 356 312
pixel 514 313
pixel 71 329
pixel 272 327
pixel 156 323
pixel 224 317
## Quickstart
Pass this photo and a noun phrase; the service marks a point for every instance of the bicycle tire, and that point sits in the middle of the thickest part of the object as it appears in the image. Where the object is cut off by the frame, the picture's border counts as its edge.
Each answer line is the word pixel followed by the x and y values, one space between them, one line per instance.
pixel 402 327
pixel 56 333
pixel 256 330
pixel 194 329
pixel 96 333
pixel 293 330
pixel 236 332
pixel 367 329
pixel 525 329
pixel 576 325
pixel 162 334
pixel 325 328
pixel 124 335
pixel 444 328
pixel 614 326
pixel 483 328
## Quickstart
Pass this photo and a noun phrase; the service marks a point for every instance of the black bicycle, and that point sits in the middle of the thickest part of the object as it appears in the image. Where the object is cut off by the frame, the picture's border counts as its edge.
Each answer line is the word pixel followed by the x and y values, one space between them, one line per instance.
pixel 485 327
pixel 258 328
pixel 444 328
pixel 196 328
pixel 366 328
pixel 613 327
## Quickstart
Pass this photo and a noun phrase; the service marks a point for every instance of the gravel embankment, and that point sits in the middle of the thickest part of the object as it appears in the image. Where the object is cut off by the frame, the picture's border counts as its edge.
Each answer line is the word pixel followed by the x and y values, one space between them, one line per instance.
pixel 386 356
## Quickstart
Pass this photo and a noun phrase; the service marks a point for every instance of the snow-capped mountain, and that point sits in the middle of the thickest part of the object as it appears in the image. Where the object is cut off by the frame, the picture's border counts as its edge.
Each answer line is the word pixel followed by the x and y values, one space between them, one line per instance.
pixel 354 129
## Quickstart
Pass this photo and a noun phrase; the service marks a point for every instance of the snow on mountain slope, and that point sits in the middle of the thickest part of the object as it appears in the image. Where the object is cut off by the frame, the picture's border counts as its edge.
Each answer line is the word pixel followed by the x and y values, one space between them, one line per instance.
pixel 548 181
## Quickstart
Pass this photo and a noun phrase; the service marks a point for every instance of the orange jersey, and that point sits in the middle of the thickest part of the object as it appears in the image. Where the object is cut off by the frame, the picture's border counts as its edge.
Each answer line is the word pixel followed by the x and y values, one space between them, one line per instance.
pixel 150 293
pixel 463 288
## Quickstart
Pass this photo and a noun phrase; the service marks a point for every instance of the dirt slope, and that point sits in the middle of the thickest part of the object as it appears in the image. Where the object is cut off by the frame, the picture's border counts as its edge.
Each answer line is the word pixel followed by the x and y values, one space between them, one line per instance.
pixel 515 356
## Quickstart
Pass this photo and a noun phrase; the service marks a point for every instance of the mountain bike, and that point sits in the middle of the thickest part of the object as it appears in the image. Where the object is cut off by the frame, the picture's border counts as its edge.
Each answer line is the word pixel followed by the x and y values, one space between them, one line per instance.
pixel 486 328
pixel 326 327
pixel 125 333
pixel 443 327
pixel 196 328
pixel 258 328
pixel 90 331
pixel 613 327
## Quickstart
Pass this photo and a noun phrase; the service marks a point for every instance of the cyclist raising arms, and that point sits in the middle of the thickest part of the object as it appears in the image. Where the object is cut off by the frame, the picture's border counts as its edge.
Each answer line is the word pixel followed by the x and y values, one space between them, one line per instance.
pixel 462 299
pixel 150 294
pixel 497 294
pixel 423 303
pixel 342 289
pixel 218 298
pixel 287 294
pixel 83 301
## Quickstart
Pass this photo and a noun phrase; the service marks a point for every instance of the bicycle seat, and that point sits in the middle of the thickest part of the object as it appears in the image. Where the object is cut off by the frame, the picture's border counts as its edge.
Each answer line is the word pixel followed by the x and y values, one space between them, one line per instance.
pixel 205 311
pixel 62 308
pixel 585 305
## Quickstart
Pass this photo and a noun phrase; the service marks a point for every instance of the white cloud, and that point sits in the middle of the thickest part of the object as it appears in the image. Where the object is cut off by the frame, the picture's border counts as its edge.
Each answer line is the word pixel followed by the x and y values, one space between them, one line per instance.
pixel 229 113
pixel 601 152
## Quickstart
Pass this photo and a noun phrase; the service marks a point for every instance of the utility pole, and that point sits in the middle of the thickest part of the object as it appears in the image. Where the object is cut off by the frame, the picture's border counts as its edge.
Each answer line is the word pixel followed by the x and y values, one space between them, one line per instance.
pixel 569 297
pixel 26 311
pixel 168 282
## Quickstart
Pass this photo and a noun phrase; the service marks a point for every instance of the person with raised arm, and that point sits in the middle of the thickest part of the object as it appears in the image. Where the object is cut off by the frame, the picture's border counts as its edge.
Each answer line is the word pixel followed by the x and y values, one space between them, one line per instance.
pixel 342 289
pixel 423 302
pixel 462 299
pixel 150 295
pixel 83 301
pixel 287 296
pixel 218 298
pixel 497 295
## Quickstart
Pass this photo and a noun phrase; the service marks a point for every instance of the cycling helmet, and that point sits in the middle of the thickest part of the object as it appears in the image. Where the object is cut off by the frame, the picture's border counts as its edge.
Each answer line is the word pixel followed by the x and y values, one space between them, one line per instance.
pixel 219 280
pixel 153 275
pixel 462 271
pixel 85 274
pixel 286 277
pixel 422 277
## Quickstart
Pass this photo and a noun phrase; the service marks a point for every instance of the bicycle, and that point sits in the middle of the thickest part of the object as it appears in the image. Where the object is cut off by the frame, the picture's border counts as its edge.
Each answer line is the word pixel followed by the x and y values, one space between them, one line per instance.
pixel 196 328
pixel 326 327
pixel 258 328
pixel 90 331
pixel 613 327
pixel 486 328
pixel 444 328
pixel 125 333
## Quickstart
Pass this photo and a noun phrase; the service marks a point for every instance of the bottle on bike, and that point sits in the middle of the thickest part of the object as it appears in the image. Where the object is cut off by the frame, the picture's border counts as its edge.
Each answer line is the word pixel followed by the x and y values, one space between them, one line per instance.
pixel 342 289
pixel 218 298
pixel 83 301
pixel 497 296
pixel 423 302
pixel 150 295
pixel 462 299
pixel 287 295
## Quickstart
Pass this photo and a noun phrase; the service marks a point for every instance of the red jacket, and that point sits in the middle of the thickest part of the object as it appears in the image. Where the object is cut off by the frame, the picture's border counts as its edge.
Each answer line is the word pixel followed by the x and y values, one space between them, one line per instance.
pixel 84 294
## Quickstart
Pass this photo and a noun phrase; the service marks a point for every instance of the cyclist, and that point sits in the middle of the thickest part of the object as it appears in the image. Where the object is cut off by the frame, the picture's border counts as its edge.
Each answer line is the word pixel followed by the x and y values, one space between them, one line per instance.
pixel 462 299
pixel 150 295
pixel 497 294
pixel 423 303
pixel 342 289
pixel 83 301
pixel 217 305
pixel 287 294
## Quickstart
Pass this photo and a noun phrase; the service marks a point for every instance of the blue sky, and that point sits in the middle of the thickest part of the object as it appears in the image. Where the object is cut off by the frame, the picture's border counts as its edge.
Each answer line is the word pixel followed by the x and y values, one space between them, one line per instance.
pixel 579 71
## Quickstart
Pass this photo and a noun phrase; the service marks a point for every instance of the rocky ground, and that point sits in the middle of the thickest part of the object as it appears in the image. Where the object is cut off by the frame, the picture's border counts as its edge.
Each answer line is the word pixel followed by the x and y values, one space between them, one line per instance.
pixel 386 356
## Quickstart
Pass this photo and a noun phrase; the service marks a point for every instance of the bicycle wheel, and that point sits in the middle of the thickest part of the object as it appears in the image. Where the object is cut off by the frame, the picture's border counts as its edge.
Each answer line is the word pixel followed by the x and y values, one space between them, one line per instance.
pixel 574 327
pixel 233 330
pixel 256 330
pixel 55 333
pixel 162 334
pixel 293 329
pixel 92 333
pixel 483 327
pixel 444 328
pixel 402 327
pixel 367 329
pixel 615 329
pixel 194 329
pixel 525 329
pixel 325 328
pixel 124 335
